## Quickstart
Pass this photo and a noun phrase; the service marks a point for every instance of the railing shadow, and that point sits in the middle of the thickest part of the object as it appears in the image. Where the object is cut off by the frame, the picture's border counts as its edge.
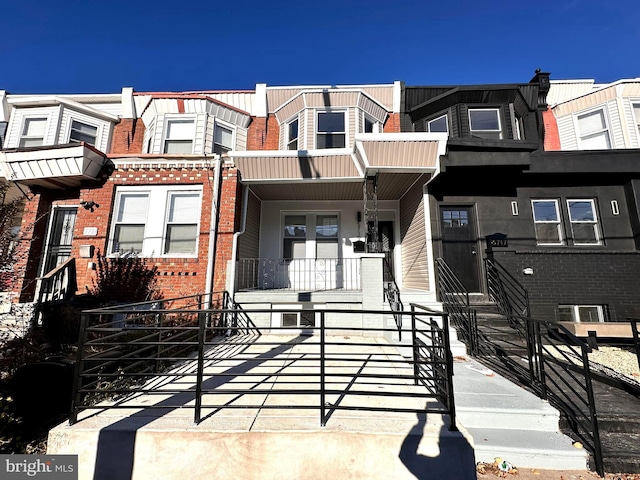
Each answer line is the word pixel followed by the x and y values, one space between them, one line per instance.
pixel 116 442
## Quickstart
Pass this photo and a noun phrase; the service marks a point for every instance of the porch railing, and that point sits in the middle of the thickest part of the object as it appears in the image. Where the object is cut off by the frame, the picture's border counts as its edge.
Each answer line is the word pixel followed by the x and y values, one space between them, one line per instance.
pixel 58 285
pixel 204 369
pixel 636 337
pixel 509 294
pixel 304 274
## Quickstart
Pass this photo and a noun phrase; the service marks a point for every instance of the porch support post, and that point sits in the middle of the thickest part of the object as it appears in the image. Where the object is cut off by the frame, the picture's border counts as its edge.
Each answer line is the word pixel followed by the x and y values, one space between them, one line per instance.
pixel 371 282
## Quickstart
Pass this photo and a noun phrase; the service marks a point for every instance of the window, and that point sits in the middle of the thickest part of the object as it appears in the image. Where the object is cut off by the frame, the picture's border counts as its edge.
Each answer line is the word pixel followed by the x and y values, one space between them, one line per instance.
pixel 179 136
pixel 170 228
pixel 584 223
pixel 546 218
pixel 299 319
pixel 331 132
pixel 439 124
pixel 580 313
pixel 370 125
pixel 292 135
pixel 33 132
pixel 222 139
pixel 594 134
pixel 326 236
pixel 295 237
pixel 485 123
pixel 636 114
pixel 131 217
pixel 182 223
pixel 81 132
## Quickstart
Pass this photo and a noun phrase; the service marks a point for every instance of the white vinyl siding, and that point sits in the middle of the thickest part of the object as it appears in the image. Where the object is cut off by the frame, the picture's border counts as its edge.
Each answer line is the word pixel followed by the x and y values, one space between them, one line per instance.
pixel 17 124
pixel 415 265
pixel 102 128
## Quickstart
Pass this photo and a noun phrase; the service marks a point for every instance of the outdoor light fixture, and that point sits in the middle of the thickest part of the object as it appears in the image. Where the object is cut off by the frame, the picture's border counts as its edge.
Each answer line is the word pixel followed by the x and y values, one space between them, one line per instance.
pixel 528 271
pixel 90 205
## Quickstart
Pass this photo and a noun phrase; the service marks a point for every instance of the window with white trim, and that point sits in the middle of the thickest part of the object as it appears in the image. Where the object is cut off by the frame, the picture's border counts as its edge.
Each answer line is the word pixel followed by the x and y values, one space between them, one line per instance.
pixel 295 237
pixel 485 123
pixel 33 131
pixel 292 134
pixel 310 235
pixel 326 236
pixel 593 130
pixel 584 222
pixel 331 130
pixel 370 125
pixel 546 219
pixel 222 139
pixel 580 313
pixel 179 136
pixel 636 114
pixel 83 132
pixel 438 124
pixel 168 229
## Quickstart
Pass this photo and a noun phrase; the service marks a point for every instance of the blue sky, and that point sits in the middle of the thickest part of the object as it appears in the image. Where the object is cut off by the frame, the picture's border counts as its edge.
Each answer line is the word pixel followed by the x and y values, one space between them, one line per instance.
pixel 74 46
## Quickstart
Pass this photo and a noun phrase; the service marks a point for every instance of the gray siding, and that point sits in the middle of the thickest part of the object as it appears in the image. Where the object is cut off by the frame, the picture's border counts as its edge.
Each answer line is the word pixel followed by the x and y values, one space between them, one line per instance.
pixel 415 268
pixel 249 241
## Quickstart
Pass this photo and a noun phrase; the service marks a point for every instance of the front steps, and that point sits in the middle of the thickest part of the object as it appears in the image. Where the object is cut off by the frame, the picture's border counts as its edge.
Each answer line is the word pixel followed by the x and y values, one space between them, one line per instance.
pixel 508 422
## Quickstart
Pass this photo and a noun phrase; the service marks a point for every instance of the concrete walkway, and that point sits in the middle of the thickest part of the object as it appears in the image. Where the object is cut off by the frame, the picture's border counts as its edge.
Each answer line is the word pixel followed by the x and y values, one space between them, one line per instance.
pixel 262 442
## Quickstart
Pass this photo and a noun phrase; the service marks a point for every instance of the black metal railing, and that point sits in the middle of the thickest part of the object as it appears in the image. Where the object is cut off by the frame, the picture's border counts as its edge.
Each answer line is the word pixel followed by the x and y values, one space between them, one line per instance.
pixel 510 296
pixel 636 337
pixel 455 301
pixel 205 369
pixel 557 364
pixel 58 285
pixel 304 274
pixel 392 294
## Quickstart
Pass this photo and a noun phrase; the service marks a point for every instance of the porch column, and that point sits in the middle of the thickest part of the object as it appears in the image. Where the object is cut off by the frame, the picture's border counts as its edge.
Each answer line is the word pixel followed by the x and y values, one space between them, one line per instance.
pixel 372 289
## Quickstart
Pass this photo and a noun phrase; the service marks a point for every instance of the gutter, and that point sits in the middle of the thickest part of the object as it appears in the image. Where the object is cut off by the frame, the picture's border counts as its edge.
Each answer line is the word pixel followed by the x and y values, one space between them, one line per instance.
pixel 234 248
pixel 211 252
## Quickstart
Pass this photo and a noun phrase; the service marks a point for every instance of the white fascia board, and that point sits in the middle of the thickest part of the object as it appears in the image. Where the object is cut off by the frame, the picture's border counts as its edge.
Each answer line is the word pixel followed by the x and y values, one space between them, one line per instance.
pixel 600 87
pixel 363 155
pixel 88 110
pixel 397 93
pixel 47 100
pixel 5 111
pixel 327 152
pixel 402 137
pixel 128 105
pixel 263 181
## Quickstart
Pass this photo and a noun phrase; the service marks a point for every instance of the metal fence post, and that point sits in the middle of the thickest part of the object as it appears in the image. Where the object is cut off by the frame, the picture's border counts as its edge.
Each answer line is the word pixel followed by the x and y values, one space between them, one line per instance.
pixel 201 334
pixel 76 399
pixel 323 420
pixel 597 446
pixel 540 363
pixel 449 369
pixel 636 341
pixel 414 344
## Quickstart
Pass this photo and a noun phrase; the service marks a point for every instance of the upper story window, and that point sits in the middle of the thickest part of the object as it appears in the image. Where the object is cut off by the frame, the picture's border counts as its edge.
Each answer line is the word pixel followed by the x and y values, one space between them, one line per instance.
pixel 33 132
pixel 593 131
pixel 179 136
pixel 292 135
pixel 546 218
pixel 331 130
pixel 81 132
pixel 222 139
pixel 170 228
pixel 584 222
pixel 439 124
pixel 636 114
pixel 485 123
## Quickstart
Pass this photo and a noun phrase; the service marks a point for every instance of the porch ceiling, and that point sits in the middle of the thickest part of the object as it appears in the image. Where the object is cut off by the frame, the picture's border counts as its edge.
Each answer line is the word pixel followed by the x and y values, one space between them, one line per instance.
pixel 391 186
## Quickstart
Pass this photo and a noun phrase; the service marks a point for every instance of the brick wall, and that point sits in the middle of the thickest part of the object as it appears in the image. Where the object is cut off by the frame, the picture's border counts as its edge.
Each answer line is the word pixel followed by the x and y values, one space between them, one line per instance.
pixel 551 135
pixel 228 224
pixel 127 136
pixel 578 278
pixel 392 125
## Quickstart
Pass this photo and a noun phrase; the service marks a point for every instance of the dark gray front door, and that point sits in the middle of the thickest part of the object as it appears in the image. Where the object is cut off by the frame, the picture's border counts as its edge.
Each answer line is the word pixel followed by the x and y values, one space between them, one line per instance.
pixel 58 248
pixel 460 245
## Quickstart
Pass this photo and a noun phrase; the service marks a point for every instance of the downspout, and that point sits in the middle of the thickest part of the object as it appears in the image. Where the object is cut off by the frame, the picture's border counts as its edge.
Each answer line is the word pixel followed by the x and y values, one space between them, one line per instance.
pixel 234 248
pixel 213 228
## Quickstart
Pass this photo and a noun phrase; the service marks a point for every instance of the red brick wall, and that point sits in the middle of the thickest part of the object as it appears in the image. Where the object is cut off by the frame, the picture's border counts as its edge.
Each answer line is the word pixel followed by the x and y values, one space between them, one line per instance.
pixel 273 134
pixel 551 135
pixel 392 125
pixel 127 136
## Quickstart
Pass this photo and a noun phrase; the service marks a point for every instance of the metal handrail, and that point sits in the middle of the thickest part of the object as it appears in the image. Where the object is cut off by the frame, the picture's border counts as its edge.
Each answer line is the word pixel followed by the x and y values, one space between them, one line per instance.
pixel 509 294
pixel 392 294
pixel 188 342
pixel 636 337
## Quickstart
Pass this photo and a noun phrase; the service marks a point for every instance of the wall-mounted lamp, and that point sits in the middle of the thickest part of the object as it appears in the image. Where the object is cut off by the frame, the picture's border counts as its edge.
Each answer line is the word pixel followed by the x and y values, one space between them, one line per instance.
pixel 528 271
pixel 90 205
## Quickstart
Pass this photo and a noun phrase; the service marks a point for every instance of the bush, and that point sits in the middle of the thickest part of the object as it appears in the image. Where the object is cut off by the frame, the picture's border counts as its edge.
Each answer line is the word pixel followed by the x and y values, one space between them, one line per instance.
pixel 126 279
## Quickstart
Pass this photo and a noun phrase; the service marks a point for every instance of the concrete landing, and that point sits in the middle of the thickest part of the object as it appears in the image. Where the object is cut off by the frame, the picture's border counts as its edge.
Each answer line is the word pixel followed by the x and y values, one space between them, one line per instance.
pixel 264 443
pixel 508 422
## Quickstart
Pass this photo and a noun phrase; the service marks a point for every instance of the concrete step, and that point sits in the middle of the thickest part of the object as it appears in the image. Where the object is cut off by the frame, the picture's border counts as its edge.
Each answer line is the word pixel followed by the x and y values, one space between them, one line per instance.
pixel 507 421
pixel 530 449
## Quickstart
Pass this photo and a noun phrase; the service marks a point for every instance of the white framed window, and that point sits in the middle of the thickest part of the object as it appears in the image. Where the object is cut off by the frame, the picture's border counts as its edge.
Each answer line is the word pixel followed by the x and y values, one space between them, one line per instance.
pixel 485 123
pixel 593 130
pixel 179 134
pixel 33 130
pixel 580 313
pixel 170 228
pixel 327 236
pixel 636 115
pixel 292 134
pixel 222 139
pixel 370 125
pixel 83 132
pixel 331 130
pixel 294 237
pixel 438 124
pixel 314 235
pixel 546 219
pixel 584 221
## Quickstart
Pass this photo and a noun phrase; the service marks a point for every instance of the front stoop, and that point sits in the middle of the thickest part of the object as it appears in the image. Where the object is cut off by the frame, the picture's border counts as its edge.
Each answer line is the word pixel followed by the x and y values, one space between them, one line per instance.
pixel 288 445
pixel 508 422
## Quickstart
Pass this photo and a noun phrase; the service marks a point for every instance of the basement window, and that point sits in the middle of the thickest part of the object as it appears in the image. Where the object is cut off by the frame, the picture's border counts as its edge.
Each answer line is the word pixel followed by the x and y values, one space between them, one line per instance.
pixel 580 313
